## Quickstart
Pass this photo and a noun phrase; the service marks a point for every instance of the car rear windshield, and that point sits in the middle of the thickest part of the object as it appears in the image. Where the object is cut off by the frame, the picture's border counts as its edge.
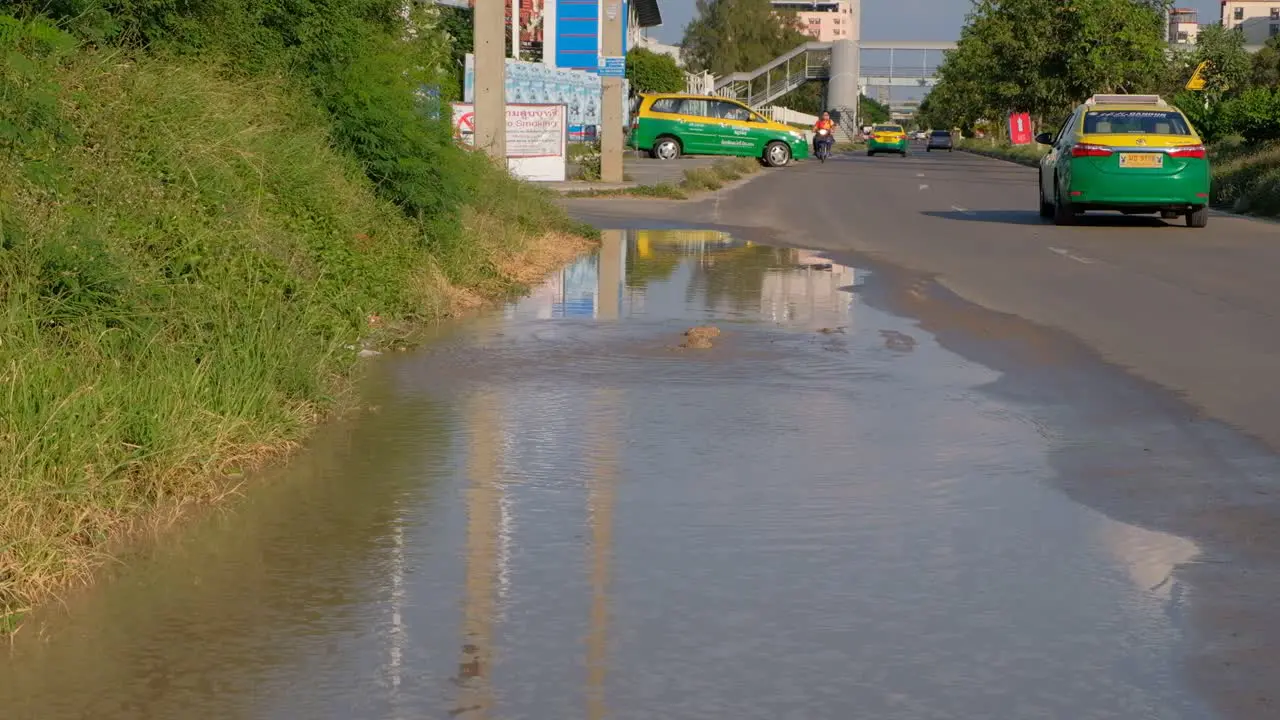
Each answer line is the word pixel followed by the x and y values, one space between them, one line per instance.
pixel 888 128
pixel 941 133
pixel 1135 122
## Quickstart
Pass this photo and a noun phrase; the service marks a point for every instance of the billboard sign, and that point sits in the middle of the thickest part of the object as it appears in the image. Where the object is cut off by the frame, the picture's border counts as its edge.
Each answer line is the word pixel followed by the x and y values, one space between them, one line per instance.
pixel 536 138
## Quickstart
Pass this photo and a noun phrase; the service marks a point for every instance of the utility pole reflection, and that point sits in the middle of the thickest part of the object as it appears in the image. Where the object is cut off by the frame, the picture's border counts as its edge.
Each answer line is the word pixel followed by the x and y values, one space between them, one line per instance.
pixel 606 408
pixel 484 498
pixel 610 276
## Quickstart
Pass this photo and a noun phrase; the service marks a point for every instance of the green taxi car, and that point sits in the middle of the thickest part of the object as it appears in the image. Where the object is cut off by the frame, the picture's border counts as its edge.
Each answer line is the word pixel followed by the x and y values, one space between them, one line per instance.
pixel 670 125
pixel 1134 154
pixel 887 138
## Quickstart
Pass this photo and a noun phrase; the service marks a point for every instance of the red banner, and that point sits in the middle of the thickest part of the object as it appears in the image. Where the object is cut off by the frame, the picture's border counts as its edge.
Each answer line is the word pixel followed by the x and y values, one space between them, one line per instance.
pixel 1020 129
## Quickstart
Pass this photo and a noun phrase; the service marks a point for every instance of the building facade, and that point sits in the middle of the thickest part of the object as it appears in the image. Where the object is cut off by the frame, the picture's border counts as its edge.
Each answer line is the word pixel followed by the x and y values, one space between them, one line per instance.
pixel 1184 26
pixel 1257 19
pixel 823 20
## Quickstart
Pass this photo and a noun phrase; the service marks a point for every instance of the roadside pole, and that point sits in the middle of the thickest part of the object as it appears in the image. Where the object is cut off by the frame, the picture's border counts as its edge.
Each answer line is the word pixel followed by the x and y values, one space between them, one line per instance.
pixel 611 87
pixel 491 68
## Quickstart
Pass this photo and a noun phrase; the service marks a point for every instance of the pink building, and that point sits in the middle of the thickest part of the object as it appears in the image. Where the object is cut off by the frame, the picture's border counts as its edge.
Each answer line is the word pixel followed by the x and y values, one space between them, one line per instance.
pixel 824 20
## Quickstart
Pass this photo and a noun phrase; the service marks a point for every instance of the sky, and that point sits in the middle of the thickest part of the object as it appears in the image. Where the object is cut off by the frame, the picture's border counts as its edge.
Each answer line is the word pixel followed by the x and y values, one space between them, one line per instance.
pixel 937 20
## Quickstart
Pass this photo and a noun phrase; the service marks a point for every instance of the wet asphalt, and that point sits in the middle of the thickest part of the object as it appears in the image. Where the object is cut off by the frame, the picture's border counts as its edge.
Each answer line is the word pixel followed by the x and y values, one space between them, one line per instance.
pixel 940 461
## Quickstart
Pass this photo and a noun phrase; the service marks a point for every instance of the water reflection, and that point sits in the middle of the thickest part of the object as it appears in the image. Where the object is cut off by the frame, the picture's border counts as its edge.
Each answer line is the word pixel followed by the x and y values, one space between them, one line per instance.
pixel 669 273
pixel 556 515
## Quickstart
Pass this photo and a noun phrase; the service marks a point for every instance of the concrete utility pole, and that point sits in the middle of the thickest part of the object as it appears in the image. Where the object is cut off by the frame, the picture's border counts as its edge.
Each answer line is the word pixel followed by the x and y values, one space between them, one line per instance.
pixel 490 22
pixel 611 102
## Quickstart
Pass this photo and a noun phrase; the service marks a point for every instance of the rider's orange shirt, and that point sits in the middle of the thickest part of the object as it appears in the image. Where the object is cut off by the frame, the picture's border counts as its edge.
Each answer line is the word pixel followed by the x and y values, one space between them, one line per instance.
pixel 828 124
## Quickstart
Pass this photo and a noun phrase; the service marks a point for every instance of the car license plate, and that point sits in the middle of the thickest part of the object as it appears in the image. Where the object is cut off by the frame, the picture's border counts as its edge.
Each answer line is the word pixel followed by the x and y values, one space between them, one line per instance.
pixel 1141 160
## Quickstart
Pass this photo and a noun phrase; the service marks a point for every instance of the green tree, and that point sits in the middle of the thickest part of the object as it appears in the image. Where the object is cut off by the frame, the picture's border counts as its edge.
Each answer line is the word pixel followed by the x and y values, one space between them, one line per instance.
pixel 651 72
pixel 1044 56
pixel 872 111
pixel 1229 65
pixel 808 98
pixel 1266 64
pixel 728 36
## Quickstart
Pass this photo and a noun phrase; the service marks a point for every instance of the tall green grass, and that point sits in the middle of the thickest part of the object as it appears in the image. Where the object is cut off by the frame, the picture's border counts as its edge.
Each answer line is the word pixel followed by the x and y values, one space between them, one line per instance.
pixel 190 261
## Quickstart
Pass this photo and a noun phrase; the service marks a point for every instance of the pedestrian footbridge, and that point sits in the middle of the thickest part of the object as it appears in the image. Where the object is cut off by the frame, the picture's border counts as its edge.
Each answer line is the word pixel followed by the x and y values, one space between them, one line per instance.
pixel 875 64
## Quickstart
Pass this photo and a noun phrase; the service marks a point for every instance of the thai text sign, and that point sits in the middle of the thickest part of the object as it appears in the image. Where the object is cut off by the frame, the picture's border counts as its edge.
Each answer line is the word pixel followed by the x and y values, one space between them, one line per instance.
pixel 536 138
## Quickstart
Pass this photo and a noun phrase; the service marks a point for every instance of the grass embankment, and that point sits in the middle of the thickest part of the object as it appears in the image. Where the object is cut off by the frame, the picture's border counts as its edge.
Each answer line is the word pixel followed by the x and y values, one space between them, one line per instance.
pixel 1028 155
pixel 188 271
pixel 1246 178
pixel 695 180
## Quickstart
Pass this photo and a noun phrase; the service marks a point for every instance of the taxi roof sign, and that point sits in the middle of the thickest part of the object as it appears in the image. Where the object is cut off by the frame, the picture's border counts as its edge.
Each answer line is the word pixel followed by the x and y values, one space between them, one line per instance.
pixel 1153 100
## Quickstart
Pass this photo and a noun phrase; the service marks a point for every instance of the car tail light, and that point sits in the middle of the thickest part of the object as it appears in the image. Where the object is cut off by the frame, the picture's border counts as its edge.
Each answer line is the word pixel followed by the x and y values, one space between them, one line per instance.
pixel 1188 151
pixel 1091 151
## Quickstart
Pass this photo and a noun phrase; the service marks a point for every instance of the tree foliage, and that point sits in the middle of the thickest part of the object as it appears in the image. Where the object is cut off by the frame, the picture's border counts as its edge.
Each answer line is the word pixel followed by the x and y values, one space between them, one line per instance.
pixel 728 36
pixel 1229 66
pixel 651 72
pixel 872 111
pixel 1044 56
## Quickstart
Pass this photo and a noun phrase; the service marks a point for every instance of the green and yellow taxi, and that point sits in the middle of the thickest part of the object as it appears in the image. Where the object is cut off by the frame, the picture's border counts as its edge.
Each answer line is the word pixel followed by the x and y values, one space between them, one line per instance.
pixel 887 139
pixel 1135 154
pixel 670 125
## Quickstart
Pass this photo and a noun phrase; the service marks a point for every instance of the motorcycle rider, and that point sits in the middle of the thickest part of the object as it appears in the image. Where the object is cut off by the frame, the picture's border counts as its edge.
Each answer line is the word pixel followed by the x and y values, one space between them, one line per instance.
pixel 824 123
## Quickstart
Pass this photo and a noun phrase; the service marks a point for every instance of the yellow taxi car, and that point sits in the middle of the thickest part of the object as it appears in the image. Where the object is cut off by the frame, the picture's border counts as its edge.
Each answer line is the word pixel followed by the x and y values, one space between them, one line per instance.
pixel 887 138
pixel 1130 153
pixel 671 124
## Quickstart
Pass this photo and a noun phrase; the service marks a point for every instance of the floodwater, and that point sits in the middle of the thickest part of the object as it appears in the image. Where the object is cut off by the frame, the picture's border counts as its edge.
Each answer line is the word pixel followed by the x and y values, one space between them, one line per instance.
pixel 555 512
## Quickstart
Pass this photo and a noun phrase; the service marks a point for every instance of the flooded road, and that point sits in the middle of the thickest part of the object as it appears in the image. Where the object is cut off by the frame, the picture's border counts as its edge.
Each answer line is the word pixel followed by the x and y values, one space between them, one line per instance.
pixel 556 511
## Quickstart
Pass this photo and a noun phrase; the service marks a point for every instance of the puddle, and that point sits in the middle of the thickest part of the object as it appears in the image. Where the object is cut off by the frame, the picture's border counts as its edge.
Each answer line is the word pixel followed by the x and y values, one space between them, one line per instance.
pixel 558 512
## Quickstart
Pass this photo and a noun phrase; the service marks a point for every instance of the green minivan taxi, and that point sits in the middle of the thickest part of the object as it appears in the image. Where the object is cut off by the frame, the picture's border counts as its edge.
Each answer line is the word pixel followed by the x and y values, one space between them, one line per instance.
pixel 1131 153
pixel 670 125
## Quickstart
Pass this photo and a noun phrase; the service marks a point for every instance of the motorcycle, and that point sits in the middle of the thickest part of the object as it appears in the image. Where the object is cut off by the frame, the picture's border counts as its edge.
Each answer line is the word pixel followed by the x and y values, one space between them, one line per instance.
pixel 823 144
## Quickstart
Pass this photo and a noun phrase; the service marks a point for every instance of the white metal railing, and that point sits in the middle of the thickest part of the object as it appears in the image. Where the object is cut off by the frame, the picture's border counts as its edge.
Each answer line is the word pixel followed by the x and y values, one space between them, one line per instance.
pixel 789 116
pixel 700 83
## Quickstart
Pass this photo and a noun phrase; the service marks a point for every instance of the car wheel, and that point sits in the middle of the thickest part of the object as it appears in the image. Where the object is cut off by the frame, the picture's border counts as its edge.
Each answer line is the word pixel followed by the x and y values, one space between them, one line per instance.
pixel 1168 214
pixel 1063 213
pixel 1046 209
pixel 870 154
pixel 928 149
pixel 777 154
pixel 667 148
pixel 1198 218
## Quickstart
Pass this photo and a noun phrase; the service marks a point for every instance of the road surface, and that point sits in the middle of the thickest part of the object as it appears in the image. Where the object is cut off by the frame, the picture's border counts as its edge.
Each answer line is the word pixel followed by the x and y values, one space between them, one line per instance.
pixel 1192 312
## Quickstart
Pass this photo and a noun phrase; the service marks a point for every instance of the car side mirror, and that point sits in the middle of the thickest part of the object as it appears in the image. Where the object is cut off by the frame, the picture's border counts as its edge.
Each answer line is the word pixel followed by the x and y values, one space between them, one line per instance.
pixel 1045 138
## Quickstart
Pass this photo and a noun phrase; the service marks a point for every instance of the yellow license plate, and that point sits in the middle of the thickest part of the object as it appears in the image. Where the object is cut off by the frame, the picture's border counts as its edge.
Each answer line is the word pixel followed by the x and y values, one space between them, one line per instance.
pixel 1141 160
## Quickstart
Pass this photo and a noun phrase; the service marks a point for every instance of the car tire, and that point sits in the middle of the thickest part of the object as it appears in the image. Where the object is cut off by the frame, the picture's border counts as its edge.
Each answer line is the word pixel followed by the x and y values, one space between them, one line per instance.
pixel 870 154
pixel 666 148
pixel 1046 208
pixel 1063 213
pixel 1198 218
pixel 777 154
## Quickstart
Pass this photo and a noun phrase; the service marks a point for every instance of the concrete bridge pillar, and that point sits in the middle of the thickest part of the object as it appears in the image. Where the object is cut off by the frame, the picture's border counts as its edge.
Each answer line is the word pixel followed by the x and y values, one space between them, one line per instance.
pixel 842 89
